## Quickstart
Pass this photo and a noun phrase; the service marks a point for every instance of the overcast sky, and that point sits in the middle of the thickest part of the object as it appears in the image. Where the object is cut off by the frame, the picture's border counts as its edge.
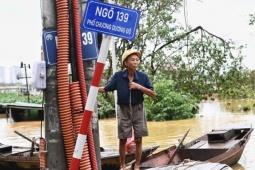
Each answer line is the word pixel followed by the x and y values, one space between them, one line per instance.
pixel 21 26
pixel 20 31
pixel 228 19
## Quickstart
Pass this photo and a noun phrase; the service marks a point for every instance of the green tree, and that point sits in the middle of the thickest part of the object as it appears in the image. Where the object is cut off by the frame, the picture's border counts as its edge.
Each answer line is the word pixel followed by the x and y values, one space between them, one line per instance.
pixel 18 97
pixel 194 58
pixel 169 105
pixel 238 83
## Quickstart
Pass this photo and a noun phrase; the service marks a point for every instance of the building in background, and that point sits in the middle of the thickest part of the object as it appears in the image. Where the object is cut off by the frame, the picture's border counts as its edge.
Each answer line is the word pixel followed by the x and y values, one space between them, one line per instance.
pixel 14 72
pixel 8 75
pixel 13 79
pixel 2 74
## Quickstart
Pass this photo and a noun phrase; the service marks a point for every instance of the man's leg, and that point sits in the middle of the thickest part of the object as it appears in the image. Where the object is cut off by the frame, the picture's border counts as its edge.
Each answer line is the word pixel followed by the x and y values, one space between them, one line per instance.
pixel 138 153
pixel 122 153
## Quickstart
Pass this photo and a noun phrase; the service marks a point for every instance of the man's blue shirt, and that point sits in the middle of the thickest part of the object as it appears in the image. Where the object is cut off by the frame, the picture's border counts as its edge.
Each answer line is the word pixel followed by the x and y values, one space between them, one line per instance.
pixel 120 82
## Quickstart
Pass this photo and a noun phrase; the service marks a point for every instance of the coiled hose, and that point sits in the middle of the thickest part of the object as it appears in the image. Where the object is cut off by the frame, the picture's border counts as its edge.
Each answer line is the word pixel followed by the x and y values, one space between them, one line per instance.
pixel 90 140
pixel 75 94
pixel 42 149
pixel 68 101
pixel 62 78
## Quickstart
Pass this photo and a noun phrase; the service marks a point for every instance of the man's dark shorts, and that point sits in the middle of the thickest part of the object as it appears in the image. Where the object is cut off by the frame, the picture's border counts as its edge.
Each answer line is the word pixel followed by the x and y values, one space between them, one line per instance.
pixel 128 118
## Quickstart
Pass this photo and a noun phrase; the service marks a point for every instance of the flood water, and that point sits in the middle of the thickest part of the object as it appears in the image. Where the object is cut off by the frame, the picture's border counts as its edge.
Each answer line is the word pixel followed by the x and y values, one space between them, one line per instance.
pixel 212 115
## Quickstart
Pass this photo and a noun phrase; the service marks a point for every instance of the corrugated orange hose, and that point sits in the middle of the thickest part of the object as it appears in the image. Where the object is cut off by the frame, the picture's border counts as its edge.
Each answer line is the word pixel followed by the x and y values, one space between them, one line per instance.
pixel 76 102
pixel 42 149
pixel 63 79
pixel 90 140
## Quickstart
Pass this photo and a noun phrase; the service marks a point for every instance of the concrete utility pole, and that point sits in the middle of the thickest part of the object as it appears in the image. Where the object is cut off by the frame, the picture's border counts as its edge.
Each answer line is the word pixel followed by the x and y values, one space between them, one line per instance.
pixel 55 157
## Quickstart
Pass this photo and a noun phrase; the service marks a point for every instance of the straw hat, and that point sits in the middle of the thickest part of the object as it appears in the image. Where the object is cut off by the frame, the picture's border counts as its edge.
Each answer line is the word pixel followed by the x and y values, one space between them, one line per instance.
pixel 128 53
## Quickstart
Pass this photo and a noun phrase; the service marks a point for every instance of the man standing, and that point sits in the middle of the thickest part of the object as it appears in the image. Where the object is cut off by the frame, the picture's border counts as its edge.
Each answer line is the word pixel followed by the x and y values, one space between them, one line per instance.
pixel 130 84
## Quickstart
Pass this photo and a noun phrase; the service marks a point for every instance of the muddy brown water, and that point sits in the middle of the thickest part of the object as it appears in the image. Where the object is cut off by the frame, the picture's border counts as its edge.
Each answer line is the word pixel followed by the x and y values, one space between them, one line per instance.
pixel 212 114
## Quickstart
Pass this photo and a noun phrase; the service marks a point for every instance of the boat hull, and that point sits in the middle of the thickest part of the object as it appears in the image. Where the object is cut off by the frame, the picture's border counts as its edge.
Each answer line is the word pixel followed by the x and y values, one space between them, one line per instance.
pixel 20 159
pixel 224 146
pixel 110 160
pixel 19 163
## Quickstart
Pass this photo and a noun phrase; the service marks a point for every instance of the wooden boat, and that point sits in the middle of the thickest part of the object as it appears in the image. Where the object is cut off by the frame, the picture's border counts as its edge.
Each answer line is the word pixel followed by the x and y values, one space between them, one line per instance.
pixel 110 159
pixel 2 109
pixel 14 157
pixel 192 165
pixel 23 158
pixel 23 111
pixel 223 145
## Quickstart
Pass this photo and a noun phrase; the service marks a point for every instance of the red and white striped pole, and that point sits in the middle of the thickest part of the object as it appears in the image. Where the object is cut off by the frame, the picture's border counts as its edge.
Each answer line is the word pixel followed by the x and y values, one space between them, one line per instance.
pixel 91 100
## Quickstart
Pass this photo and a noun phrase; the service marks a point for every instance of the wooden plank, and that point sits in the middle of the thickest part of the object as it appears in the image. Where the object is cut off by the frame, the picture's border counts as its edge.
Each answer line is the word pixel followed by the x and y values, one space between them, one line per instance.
pixel 178 147
pixel 110 153
pixel 221 166
pixel 194 165
pixel 204 166
pixel 5 148
pixel 218 132
pixel 216 136
pixel 198 145
pixel 226 145
pixel 16 151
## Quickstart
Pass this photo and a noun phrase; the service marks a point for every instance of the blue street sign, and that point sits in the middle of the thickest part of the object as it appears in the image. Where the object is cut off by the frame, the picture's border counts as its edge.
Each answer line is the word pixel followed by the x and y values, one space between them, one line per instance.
pixel 88 41
pixel 111 19
pixel 89 45
pixel 50 46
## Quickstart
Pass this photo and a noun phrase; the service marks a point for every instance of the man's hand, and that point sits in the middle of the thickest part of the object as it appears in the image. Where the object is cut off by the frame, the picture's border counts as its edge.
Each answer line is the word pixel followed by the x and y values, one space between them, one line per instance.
pixel 133 85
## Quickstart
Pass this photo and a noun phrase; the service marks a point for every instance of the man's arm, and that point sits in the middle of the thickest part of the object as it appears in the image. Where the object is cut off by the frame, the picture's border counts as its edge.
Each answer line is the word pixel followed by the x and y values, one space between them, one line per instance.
pixel 148 92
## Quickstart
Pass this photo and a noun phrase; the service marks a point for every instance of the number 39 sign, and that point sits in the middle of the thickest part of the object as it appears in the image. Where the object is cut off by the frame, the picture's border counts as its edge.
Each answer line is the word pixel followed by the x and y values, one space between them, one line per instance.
pixel 111 19
pixel 50 45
